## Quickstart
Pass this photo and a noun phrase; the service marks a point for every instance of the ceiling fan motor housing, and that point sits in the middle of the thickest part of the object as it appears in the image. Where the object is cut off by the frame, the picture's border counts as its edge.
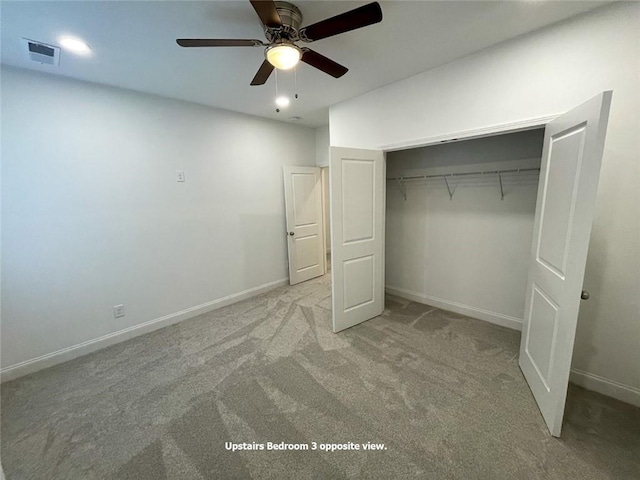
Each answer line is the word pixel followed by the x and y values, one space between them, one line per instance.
pixel 291 18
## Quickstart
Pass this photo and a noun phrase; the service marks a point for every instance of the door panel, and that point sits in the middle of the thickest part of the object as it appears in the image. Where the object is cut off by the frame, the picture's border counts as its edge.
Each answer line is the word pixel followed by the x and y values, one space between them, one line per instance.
pixel 558 209
pixel 358 282
pixel 307 252
pixel 570 168
pixel 358 200
pixel 303 185
pixel 305 229
pixel 357 235
pixel 539 350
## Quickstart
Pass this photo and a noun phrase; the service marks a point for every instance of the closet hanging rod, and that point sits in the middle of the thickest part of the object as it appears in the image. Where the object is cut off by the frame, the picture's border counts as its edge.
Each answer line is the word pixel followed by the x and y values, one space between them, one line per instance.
pixel 486 172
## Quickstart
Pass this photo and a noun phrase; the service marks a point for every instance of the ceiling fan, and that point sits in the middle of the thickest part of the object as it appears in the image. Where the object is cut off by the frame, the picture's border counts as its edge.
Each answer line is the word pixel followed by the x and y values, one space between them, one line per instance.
pixel 281 22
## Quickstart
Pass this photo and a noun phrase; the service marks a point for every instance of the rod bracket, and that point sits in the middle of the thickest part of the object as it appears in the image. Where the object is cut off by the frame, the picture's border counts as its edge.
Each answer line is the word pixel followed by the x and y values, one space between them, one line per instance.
pixel 448 187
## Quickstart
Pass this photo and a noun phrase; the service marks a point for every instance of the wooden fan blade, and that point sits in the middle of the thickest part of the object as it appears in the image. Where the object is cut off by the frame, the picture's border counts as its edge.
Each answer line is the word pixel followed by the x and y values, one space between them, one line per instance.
pixel 345 22
pixel 218 42
pixel 323 63
pixel 263 73
pixel 267 12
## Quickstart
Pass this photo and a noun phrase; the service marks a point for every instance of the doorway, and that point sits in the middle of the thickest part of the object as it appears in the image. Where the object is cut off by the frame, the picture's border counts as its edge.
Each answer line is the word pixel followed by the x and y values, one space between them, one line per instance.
pixel 459 224
pixel 326 207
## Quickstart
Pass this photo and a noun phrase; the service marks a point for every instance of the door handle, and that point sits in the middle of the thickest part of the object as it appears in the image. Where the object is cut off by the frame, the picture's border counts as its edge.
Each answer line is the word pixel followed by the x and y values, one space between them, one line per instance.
pixel 584 295
pixel 292 233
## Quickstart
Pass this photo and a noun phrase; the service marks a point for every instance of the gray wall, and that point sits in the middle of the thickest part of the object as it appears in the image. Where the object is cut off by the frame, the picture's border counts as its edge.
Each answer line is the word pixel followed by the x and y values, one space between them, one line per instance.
pixel 93 216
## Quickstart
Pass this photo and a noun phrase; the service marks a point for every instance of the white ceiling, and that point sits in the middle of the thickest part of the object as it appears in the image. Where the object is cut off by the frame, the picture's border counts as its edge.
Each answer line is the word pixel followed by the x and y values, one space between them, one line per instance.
pixel 133 46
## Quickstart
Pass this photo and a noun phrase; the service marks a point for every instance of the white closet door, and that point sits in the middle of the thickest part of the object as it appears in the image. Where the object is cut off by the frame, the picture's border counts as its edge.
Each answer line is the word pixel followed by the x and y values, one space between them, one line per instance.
pixel 305 231
pixel 570 169
pixel 357 235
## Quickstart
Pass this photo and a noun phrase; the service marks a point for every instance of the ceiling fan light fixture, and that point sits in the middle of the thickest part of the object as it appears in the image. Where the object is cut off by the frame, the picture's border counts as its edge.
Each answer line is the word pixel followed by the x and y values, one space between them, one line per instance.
pixel 283 56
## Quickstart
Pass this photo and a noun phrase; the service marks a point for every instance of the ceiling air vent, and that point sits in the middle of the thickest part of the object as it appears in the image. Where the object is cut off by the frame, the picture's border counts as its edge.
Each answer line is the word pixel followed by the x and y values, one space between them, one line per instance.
pixel 41 52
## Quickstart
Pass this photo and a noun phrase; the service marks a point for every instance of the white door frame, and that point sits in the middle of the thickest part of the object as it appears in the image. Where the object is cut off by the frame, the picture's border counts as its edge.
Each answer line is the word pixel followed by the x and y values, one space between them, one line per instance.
pixel 488 131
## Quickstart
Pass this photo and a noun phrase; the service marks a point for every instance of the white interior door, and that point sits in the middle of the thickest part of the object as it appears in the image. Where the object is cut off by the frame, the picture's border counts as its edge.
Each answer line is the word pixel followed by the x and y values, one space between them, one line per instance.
pixel 357 235
pixel 571 158
pixel 305 230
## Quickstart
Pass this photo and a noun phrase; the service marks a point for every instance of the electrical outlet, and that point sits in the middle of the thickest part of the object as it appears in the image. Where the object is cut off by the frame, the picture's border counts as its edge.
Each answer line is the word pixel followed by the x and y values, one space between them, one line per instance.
pixel 118 311
pixel 180 175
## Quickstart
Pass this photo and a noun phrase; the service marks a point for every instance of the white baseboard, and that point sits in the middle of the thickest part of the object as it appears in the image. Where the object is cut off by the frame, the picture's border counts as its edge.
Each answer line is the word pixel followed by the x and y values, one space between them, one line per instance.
pixel 607 387
pixel 486 315
pixel 50 359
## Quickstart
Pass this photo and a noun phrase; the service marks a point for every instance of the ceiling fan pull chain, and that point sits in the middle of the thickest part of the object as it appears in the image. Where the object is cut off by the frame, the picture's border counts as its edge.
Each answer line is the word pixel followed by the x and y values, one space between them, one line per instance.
pixel 277 96
pixel 295 81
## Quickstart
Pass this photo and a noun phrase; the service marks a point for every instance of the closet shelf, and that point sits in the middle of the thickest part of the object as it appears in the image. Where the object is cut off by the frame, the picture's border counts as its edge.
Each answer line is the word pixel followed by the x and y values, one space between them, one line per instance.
pixel 446 176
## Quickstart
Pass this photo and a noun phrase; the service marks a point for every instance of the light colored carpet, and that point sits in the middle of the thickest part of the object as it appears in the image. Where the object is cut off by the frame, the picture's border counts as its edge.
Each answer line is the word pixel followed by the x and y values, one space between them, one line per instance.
pixel 443 393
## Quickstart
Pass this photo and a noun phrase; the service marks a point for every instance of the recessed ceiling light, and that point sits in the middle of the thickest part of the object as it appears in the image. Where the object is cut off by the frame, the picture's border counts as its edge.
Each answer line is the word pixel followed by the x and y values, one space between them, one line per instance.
pixel 282 102
pixel 74 45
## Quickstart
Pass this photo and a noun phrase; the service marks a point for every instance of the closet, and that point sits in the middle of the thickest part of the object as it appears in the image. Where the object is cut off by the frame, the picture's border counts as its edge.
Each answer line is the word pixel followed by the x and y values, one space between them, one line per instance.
pixel 459 224
pixel 470 226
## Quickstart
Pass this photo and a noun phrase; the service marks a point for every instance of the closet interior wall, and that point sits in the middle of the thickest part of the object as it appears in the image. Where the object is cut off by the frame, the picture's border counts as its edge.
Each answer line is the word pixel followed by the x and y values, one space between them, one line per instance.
pixel 467 252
